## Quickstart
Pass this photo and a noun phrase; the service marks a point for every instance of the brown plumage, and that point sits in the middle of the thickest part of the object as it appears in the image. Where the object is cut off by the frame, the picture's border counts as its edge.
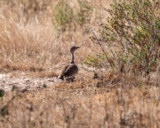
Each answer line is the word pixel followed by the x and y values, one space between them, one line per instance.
pixel 70 69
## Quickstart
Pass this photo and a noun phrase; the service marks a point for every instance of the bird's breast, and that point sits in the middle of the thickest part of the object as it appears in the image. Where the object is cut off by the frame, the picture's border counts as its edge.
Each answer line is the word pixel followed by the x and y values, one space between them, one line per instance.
pixel 71 70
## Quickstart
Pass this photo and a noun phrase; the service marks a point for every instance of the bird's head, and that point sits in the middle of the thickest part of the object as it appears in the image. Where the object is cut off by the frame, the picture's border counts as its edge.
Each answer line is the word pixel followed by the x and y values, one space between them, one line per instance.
pixel 73 49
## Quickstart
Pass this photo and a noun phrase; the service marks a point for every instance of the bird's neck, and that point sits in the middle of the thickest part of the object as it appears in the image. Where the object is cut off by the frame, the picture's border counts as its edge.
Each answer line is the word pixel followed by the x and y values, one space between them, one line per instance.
pixel 72 56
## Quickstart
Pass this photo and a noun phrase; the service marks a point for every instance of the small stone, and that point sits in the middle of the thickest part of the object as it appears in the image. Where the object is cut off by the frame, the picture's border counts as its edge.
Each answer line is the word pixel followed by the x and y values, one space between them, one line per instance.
pixel 44 85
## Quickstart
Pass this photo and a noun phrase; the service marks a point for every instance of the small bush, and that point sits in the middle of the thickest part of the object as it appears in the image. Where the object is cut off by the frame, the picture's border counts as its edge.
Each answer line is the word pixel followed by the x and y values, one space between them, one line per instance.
pixel 63 16
pixel 135 27
pixel 84 14
pixel 2 92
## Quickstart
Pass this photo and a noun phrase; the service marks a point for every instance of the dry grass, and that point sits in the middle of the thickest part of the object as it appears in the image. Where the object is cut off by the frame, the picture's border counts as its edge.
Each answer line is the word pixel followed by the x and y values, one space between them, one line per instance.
pixel 31 41
pixel 32 54
pixel 83 103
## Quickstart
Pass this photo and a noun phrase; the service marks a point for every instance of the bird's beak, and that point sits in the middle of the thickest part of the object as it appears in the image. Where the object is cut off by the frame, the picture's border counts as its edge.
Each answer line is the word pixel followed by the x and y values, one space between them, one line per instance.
pixel 77 48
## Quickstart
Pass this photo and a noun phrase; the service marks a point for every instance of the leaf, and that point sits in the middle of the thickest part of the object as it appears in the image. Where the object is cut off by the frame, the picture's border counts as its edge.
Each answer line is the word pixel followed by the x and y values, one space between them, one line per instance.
pixel 2 92
pixel 4 111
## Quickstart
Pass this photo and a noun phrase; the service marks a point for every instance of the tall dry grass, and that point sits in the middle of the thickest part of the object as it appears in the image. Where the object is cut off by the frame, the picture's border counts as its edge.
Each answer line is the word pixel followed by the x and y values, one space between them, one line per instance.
pixel 28 40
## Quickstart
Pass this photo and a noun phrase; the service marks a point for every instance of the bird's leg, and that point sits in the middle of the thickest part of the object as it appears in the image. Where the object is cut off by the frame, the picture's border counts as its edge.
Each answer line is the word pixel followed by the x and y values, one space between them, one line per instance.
pixel 73 77
pixel 64 79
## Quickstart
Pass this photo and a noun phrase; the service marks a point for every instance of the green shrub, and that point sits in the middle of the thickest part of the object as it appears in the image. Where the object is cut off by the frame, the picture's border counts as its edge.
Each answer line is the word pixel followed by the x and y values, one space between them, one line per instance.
pixel 2 92
pixel 84 14
pixel 63 16
pixel 135 27
pixel 96 61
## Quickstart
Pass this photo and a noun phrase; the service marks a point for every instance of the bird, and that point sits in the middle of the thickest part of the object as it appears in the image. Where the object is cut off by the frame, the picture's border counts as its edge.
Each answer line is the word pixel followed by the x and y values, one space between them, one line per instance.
pixel 70 69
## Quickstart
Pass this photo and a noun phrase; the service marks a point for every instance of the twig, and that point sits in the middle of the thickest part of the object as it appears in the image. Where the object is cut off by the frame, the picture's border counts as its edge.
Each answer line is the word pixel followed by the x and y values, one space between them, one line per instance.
pixel 106 43
pixel 101 48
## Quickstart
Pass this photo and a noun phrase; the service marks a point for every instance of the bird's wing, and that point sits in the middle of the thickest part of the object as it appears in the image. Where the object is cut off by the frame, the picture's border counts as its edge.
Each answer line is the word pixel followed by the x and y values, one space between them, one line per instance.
pixel 71 70
pixel 63 72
